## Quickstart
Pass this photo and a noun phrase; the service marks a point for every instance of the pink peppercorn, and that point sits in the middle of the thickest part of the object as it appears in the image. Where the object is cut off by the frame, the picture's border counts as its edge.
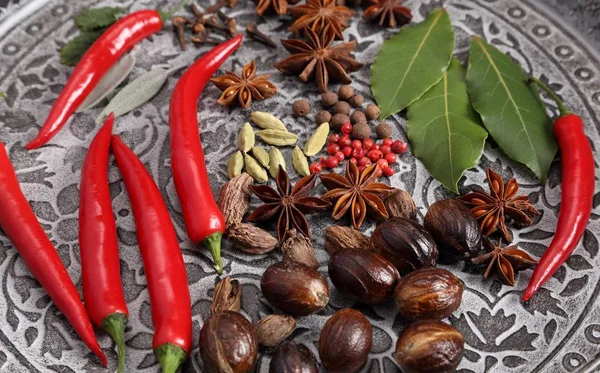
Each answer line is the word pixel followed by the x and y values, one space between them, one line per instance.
pixel 347 151
pixel 340 156
pixel 346 128
pixel 385 149
pixel 333 138
pixel 332 162
pixel 388 171
pixel 390 158
pixel 315 168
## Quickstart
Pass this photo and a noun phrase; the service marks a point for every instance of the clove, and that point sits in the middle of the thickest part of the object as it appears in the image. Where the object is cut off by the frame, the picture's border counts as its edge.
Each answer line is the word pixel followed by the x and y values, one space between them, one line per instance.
pixel 201 37
pixel 179 26
pixel 253 32
pixel 230 23
pixel 212 23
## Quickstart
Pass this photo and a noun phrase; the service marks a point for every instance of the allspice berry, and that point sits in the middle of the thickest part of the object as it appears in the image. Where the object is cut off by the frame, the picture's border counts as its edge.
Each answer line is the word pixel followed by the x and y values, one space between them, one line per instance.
pixel 301 108
pixel 361 131
pixel 346 92
pixel 323 117
pixel 383 130
pixel 342 108
pixel 328 99
pixel 338 120
pixel 357 100
pixel 358 117
pixel 372 112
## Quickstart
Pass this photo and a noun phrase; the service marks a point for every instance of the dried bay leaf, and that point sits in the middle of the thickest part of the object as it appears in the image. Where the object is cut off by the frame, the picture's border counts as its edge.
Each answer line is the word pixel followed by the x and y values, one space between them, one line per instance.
pixel 510 111
pixel 445 132
pixel 411 62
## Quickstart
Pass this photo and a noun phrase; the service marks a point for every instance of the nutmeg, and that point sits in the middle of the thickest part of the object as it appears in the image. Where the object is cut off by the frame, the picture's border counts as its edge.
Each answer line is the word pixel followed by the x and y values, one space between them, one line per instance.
pixel 228 344
pixel 344 238
pixel 293 358
pixel 428 293
pixel 294 288
pixel 345 342
pixel 273 329
pixel 401 205
pixel 363 275
pixel 454 229
pixel 405 243
pixel 429 346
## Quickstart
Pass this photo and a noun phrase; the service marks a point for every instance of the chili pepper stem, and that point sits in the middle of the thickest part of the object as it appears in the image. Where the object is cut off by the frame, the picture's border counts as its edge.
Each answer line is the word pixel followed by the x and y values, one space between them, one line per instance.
pixel 169 13
pixel 561 105
pixel 170 357
pixel 213 243
pixel 114 325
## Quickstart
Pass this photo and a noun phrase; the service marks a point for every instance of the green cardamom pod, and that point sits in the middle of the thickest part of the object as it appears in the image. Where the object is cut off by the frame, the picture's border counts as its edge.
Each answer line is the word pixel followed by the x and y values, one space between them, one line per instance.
pixel 267 121
pixel 261 156
pixel 246 138
pixel 317 140
pixel 275 160
pixel 254 169
pixel 300 162
pixel 235 164
pixel 277 137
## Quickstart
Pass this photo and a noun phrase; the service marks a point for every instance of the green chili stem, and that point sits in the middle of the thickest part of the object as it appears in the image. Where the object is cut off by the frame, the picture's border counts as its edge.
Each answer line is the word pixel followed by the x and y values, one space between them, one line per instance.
pixel 561 105
pixel 213 243
pixel 169 13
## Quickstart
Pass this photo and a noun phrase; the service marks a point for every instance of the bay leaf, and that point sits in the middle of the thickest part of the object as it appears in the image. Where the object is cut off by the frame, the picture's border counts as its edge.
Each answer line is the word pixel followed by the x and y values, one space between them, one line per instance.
pixel 111 80
pixel 510 111
pixel 411 62
pixel 445 132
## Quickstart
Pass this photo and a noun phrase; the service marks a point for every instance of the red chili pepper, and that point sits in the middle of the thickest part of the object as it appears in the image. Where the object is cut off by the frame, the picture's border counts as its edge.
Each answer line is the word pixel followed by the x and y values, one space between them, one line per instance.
pixel 102 288
pixel 203 220
pixel 577 197
pixel 21 226
pixel 163 262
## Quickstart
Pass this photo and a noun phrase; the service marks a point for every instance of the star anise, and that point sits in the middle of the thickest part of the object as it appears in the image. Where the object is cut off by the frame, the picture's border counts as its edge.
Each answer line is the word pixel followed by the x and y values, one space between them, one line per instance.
pixel 505 261
pixel 242 89
pixel 320 16
pixel 287 204
pixel 317 59
pixel 388 11
pixel 492 209
pixel 357 193
pixel 279 6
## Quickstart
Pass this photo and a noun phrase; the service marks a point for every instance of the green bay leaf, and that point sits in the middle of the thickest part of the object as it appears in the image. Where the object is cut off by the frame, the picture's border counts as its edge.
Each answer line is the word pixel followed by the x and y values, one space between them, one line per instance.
pixel 97 18
pixel 445 132
pixel 71 53
pixel 510 111
pixel 411 62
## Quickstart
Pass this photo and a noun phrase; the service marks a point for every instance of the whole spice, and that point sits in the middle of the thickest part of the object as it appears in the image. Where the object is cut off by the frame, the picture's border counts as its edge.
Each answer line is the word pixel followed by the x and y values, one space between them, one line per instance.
pixel 321 16
pixel 491 209
pixel 383 130
pixel 361 131
pixel 267 121
pixel 578 185
pixel 505 261
pixel 358 117
pixel 323 117
pixel 454 230
pixel 388 12
pixel 317 59
pixel 254 169
pixel 179 23
pixel 357 100
pixel 277 137
pixel 163 262
pixel 345 341
pixel 234 199
pixel 405 243
pixel 429 346
pixel 246 138
pixel 294 288
pixel 243 89
pixel 301 108
pixel 227 343
pixel 292 358
pixel 342 107
pixel 278 6
pixel 428 293
pixel 251 239
pixel 345 92
pixel 298 248
pixel 328 99
pixel 20 225
pixel 227 296
pixel 317 140
pixel 287 205
pixel 276 160
pixel 338 120
pixel 401 205
pixel 253 32
pixel 344 238
pixel 372 112
pixel 363 275
pixel 261 156
pixel 274 329
pixel 187 157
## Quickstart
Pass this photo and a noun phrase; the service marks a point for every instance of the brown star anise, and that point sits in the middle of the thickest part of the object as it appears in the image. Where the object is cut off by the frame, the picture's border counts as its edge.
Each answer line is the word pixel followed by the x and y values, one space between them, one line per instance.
pixel 279 6
pixel 319 60
pixel 388 11
pixel 320 16
pixel 505 261
pixel 357 192
pixel 242 89
pixel 491 209
pixel 287 204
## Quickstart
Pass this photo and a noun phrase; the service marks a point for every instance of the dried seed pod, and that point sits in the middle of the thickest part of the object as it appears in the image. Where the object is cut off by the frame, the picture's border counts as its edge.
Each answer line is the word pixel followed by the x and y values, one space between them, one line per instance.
pixel 234 199
pixel 345 342
pixel 298 248
pixel 401 205
pixel 273 329
pixel 292 358
pixel 251 239
pixel 227 296
pixel 228 344
pixel 344 238
pixel 428 293
pixel 454 229
pixel 405 243
pixel 429 346
pixel 294 288
pixel 366 276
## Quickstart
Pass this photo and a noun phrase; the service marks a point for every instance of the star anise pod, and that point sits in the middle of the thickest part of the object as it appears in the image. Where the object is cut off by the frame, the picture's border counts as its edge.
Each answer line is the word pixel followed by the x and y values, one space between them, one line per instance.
pixel 242 89
pixel 320 16
pixel 317 59
pixel 388 11
pixel 357 193
pixel 279 6
pixel 287 204
pixel 505 261
pixel 492 209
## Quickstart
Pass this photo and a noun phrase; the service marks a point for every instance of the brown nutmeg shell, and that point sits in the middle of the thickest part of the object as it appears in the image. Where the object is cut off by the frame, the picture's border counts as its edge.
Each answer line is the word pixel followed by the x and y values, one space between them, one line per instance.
pixel 293 358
